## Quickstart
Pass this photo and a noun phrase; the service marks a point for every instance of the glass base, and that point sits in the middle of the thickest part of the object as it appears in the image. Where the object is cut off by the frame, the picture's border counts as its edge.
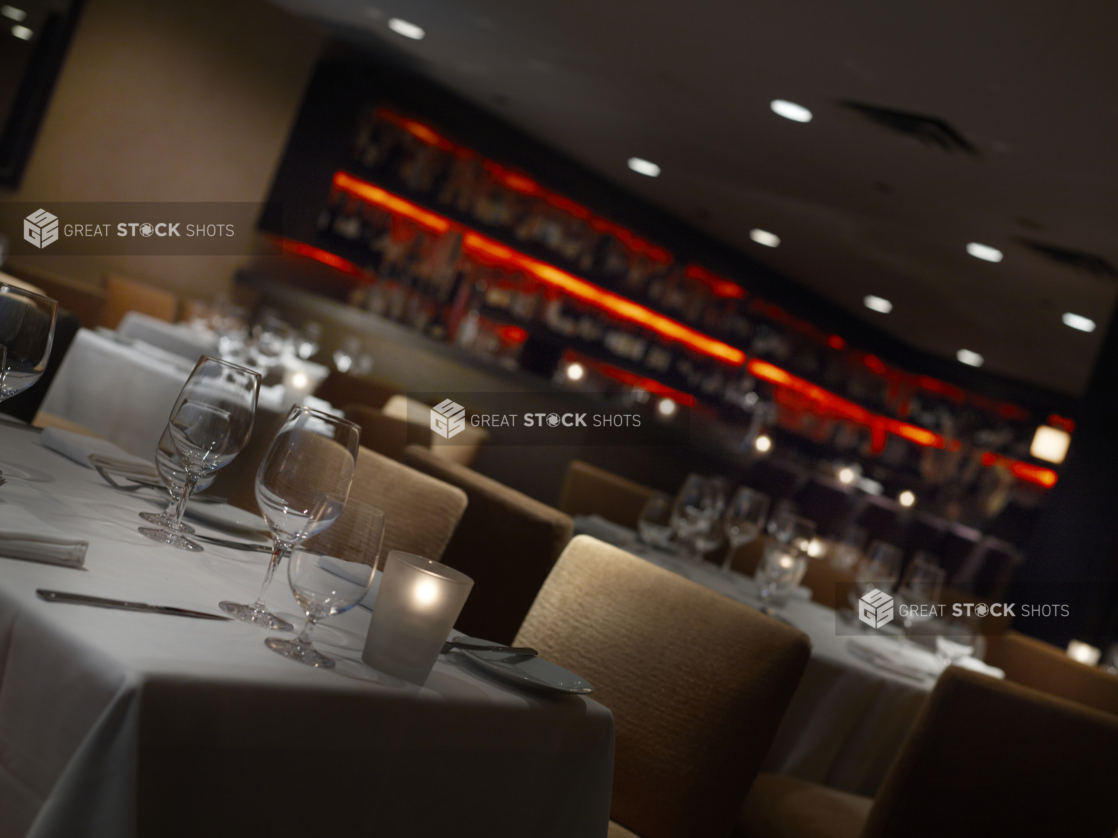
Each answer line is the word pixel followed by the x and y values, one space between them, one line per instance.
pixel 257 616
pixel 303 652
pixel 172 538
pixel 162 519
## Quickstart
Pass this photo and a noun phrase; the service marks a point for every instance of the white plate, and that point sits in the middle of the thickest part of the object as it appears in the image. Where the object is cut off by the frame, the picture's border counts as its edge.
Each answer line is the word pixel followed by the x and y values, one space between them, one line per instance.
pixel 525 671
pixel 225 517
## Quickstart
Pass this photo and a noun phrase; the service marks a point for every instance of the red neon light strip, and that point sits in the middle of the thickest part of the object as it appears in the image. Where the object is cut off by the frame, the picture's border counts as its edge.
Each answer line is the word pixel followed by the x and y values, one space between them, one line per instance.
pixel 632 379
pixel 489 250
pixel 319 255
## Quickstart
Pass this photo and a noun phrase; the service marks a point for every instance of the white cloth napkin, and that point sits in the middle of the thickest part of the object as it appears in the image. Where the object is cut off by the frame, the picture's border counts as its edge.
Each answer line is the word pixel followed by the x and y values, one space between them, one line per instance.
pixel 23 536
pixel 79 448
pixel 891 655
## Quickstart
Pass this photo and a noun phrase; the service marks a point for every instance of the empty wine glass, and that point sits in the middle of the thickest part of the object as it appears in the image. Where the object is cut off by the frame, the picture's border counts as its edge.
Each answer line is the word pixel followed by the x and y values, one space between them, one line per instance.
pixel 655 522
pixel 173 473
pixel 957 640
pixel 324 587
pixel 744 518
pixel 697 506
pixel 919 591
pixel 847 549
pixel 26 334
pixel 210 424
pixel 781 569
pixel 301 487
pixel 880 569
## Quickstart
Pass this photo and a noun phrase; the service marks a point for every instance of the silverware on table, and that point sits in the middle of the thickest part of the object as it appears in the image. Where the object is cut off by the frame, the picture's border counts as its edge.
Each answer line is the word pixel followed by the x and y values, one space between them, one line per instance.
pixel 136 484
pixel 235 545
pixel 477 647
pixel 124 605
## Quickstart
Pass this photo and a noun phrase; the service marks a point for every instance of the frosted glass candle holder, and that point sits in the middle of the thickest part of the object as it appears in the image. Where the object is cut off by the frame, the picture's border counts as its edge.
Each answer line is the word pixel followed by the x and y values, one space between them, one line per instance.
pixel 415 609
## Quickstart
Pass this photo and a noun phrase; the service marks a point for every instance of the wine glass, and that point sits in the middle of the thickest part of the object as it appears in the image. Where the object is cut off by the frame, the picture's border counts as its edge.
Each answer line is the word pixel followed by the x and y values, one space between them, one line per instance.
pixel 781 569
pixel 320 587
pixel 655 524
pixel 847 549
pixel 699 503
pixel 26 334
pixel 301 487
pixel 957 640
pixel 919 591
pixel 210 424
pixel 744 518
pixel 173 473
pixel 880 569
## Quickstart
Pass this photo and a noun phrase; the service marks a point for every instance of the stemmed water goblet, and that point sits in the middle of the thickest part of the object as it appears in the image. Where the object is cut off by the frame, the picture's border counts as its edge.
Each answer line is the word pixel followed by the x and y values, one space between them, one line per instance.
pixel 173 473
pixel 301 488
pixel 744 518
pixel 210 423
pixel 784 562
pixel 323 591
pixel 696 509
pixel 26 333
pixel 879 569
pixel 919 592
pixel 654 525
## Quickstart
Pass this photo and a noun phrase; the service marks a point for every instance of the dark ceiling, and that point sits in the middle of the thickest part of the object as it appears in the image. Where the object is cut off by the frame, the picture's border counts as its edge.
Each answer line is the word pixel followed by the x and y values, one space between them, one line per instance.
pixel 934 125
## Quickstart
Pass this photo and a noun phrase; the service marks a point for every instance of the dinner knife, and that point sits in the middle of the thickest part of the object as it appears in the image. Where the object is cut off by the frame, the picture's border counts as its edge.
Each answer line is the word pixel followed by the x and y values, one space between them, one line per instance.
pixel 123 605
pixel 489 647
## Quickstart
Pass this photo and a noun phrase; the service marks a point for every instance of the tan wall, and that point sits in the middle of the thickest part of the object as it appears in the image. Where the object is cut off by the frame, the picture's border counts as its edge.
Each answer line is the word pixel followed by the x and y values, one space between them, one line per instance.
pixel 168 100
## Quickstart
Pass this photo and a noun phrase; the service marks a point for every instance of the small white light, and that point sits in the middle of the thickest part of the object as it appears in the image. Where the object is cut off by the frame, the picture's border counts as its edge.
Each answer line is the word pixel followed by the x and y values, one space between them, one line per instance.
pixel 906 498
pixel 763 443
pixel 846 475
pixel 1078 321
pixel 644 167
pixel 816 548
pixel 751 399
pixel 425 592
pixel 790 110
pixel 666 407
pixel 764 237
pixel 969 358
pixel 983 251
pixel 1083 652
pixel 878 304
pixel 299 381
pixel 405 28
pixel 13 13
pixel 1050 444
pixel 575 372
pixel 22 32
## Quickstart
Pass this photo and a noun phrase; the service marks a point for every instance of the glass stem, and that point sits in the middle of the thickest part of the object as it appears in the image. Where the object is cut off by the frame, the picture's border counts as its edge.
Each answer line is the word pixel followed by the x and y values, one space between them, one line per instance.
pixel 280 550
pixel 305 636
pixel 187 489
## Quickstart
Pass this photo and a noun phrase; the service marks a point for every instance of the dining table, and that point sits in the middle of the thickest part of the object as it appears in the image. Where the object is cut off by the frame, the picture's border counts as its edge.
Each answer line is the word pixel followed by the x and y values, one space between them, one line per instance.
pixel 126 723
pixel 851 712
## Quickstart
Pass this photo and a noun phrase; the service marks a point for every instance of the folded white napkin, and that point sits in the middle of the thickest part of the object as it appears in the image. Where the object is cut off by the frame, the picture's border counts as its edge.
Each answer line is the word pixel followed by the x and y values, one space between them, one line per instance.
pixel 978 666
pixel 355 573
pixel 891 655
pixel 23 536
pixel 79 448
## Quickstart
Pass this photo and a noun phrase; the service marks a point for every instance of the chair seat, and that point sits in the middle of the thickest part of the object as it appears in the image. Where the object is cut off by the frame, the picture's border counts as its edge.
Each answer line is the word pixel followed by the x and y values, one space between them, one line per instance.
pixel 784 807
pixel 616 830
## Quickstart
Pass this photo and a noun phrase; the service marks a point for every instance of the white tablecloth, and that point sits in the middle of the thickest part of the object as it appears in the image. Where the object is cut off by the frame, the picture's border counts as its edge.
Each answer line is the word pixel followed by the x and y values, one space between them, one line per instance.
pixel 175 338
pixel 847 719
pixel 124 390
pixel 117 723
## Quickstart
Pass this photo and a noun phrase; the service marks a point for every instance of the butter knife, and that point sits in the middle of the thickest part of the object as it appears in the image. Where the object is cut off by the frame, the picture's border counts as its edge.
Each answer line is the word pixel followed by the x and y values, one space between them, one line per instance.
pixel 123 605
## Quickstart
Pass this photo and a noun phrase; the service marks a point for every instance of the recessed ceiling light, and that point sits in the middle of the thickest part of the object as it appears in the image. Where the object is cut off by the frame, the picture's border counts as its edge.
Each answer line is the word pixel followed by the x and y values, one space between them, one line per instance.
pixel 763 443
pixel 575 372
pixel 12 12
pixel 878 304
pixel 1078 321
pixel 983 251
pixel 764 237
pixel 666 407
pixel 906 498
pixel 644 167
pixel 22 32
pixel 972 359
pixel 405 28
pixel 846 475
pixel 790 110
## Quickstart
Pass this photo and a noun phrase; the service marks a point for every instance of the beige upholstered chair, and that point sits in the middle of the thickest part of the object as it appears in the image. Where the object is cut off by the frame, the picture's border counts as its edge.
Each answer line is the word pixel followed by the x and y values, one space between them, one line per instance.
pixel 386 435
pixel 985 757
pixel 589 490
pixel 462 449
pixel 507 543
pixel 422 512
pixel 696 681
pixel 127 295
pixel 83 299
pixel 341 389
pixel 1042 666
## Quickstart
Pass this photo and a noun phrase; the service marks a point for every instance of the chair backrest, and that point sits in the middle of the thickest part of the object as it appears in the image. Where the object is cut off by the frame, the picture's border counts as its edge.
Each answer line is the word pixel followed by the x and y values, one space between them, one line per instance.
pixel 696 681
pixel 341 389
pixel 987 757
pixel 386 435
pixel 506 542
pixel 462 448
pixel 1045 667
pixel 589 490
pixel 86 301
pixel 422 512
pixel 829 586
pixel 127 295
